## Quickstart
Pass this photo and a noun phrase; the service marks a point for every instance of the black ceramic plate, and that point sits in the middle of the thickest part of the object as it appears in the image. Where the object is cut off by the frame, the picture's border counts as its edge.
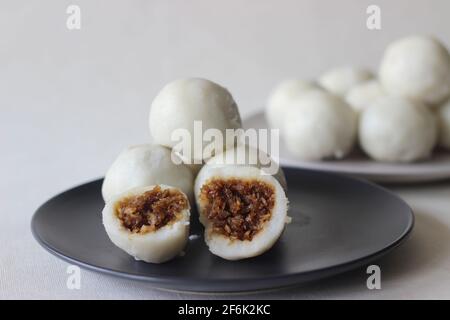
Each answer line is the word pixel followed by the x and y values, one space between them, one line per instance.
pixel 338 223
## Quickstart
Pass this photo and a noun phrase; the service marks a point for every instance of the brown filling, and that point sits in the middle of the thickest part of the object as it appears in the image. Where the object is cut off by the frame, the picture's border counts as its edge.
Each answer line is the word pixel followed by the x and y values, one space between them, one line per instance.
pixel 238 208
pixel 151 210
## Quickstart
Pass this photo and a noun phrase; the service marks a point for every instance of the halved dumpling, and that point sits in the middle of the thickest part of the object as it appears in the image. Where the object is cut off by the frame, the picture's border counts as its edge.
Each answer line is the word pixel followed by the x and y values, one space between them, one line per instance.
pixel 243 210
pixel 149 223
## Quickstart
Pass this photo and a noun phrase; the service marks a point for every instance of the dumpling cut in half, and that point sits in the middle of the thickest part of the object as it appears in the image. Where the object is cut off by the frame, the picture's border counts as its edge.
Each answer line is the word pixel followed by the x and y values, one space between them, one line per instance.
pixel 149 223
pixel 244 211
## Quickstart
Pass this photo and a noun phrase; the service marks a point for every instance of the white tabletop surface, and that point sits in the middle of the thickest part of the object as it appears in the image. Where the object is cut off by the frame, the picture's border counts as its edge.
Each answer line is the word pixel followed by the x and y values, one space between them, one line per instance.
pixel 71 100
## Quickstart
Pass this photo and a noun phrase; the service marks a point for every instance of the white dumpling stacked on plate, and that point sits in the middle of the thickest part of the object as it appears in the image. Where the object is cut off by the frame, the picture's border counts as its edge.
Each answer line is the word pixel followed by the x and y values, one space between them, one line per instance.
pixel 399 116
pixel 327 127
pixel 395 129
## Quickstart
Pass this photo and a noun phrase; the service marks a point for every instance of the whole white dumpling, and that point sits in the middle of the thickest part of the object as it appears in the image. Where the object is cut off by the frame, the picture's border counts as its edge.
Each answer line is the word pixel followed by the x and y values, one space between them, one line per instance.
pixel 416 67
pixel 340 80
pixel 184 101
pixel 144 165
pixel 320 126
pixel 444 122
pixel 363 95
pixel 395 129
pixel 281 97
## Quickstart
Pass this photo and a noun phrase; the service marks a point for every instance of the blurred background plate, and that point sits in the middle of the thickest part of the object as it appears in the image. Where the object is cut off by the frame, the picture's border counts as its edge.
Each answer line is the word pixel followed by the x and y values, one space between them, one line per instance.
pixel 359 165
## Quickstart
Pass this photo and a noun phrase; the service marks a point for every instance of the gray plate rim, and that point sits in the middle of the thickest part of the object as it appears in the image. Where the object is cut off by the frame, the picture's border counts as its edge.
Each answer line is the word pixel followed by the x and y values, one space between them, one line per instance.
pixel 218 285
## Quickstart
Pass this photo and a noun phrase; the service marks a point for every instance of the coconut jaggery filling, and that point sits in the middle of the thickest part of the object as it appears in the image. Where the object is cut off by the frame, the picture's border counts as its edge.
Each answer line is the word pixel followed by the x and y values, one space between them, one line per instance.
pixel 151 210
pixel 237 208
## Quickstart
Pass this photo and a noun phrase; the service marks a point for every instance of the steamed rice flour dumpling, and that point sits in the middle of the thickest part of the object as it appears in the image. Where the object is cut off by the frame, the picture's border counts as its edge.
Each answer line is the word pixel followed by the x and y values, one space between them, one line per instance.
pixel 244 210
pixel 319 126
pixel 149 223
pixel 144 165
pixel 182 103
pixel 280 100
pixel 395 129
pixel 417 67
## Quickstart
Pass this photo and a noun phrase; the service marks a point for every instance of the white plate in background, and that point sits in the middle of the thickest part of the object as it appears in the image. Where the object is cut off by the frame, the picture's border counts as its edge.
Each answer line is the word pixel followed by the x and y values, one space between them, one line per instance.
pixel 358 164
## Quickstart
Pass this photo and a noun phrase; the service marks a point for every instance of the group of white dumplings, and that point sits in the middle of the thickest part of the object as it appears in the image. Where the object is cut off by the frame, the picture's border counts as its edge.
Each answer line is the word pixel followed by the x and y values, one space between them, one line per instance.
pixel 398 117
pixel 141 168
pixel 401 116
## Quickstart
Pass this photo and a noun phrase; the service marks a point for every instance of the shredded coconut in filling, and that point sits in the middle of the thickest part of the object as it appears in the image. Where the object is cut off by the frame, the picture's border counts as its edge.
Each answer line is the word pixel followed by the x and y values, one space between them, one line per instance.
pixel 238 208
pixel 151 210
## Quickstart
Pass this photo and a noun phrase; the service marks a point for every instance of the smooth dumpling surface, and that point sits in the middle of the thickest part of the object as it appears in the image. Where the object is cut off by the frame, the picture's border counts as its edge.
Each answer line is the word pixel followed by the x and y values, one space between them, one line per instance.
pixel 281 97
pixel 149 223
pixel 340 80
pixel 416 67
pixel 320 126
pixel 395 129
pixel 244 211
pixel 363 95
pixel 144 165
pixel 182 102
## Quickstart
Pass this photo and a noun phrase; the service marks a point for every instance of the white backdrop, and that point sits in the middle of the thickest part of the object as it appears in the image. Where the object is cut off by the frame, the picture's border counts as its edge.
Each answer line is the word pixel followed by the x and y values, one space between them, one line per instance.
pixel 71 100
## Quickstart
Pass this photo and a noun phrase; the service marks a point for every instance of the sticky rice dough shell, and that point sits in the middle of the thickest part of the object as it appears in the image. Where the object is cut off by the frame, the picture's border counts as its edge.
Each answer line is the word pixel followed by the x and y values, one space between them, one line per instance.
pixel 145 165
pixel 263 240
pixel 281 97
pixel 395 129
pixel 230 156
pixel 184 101
pixel 417 67
pixel 340 80
pixel 154 247
pixel 363 95
pixel 444 123
pixel 321 126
